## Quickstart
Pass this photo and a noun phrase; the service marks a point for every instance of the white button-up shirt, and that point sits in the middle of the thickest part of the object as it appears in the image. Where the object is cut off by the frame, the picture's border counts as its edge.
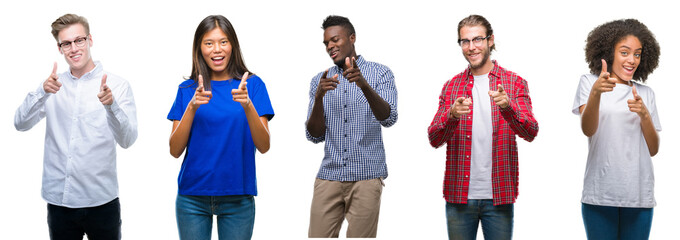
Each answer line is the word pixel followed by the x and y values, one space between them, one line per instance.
pixel 79 168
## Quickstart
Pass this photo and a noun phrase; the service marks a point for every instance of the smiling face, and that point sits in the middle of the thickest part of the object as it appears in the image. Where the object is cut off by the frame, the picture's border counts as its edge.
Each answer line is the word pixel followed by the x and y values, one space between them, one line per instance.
pixel 339 44
pixel 78 58
pixel 216 51
pixel 477 56
pixel 627 54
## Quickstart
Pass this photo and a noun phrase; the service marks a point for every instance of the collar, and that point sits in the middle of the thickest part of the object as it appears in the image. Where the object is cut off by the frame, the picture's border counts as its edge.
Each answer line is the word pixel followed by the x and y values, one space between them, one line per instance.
pixel 360 62
pixel 98 68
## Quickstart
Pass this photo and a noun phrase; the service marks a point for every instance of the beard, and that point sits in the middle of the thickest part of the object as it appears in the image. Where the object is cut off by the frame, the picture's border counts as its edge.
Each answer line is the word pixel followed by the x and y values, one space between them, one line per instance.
pixel 487 55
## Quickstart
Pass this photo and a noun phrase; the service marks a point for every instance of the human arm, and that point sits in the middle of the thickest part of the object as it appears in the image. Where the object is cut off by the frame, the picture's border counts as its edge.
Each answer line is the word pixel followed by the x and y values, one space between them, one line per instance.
pixel 181 129
pixel 590 112
pixel 259 126
pixel 32 110
pixel 448 116
pixel 121 112
pixel 636 105
pixel 316 122
pixel 518 111
pixel 381 109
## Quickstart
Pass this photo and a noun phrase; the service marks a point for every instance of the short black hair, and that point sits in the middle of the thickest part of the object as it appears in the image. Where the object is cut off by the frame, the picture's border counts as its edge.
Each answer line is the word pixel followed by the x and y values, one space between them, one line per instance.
pixel 335 20
pixel 603 39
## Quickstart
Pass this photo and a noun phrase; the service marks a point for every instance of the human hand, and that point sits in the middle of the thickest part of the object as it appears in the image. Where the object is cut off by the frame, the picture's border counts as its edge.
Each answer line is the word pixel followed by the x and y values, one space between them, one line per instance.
pixel 604 83
pixel 636 104
pixel 200 96
pixel 105 96
pixel 353 74
pixel 500 97
pixel 241 93
pixel 460 107
pixel 326 84
pixel 51 85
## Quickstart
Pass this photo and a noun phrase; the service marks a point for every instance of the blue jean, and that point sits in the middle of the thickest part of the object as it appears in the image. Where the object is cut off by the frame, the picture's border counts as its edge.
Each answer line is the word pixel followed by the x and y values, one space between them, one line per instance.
pixel 621 223
pixel 463 220
pixel 235 216
pixel 100 222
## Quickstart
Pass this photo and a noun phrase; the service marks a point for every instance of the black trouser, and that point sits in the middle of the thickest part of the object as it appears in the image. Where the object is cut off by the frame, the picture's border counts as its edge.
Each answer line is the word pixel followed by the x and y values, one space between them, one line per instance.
pixel 99 223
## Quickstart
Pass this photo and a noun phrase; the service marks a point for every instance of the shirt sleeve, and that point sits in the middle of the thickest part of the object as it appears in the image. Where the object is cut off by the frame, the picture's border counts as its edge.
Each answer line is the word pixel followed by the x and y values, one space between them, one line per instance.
pixel 442 128
pixel 178 107
pixel 519 114
pixel 32 110
pixel 582 94
pixel 312 92
pixel 260 98
pixel 387 90
pixel 121 116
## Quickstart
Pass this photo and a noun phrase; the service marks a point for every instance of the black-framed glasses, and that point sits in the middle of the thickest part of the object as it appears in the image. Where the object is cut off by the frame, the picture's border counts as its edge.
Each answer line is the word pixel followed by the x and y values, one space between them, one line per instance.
pixel 79 42
pixel 477 41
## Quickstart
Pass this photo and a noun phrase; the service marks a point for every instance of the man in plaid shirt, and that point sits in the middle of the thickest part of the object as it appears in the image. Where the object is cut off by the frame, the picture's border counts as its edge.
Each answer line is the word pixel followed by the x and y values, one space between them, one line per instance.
pixel 480 182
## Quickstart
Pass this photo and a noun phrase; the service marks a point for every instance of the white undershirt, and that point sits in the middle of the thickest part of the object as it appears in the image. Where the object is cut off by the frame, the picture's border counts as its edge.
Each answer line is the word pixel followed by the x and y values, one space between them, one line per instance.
pixel 482 131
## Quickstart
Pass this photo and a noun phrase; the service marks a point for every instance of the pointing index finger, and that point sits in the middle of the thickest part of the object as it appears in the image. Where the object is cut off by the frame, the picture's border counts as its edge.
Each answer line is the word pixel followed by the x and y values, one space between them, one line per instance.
pixel 354 63
pixel 635 94
pixel 200 83
pixel 604 66
pixel 325 74
pixel 54 69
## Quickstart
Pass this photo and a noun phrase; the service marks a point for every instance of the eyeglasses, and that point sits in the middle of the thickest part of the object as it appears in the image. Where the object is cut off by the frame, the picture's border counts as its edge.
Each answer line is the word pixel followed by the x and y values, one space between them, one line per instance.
pixel 66 45
pixel 477 41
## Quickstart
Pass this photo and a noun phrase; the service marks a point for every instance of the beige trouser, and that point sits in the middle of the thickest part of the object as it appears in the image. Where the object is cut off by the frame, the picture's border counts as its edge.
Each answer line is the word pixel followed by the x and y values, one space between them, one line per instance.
pixel 358 201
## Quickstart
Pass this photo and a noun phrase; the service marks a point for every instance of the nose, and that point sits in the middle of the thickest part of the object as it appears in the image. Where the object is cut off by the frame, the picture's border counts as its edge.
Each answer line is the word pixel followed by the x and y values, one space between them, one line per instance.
pixel 330 46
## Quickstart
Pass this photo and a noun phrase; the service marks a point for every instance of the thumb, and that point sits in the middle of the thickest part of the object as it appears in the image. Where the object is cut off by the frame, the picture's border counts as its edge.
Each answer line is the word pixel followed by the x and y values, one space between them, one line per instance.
pixel 604 66
pixel 500 88
pixel 460 99
pixel 200 83
pixel 103 85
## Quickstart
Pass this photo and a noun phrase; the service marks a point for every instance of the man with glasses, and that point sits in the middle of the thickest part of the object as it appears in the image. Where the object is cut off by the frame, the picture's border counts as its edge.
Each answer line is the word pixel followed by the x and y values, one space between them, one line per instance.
pixel 480 182
pixel 88 111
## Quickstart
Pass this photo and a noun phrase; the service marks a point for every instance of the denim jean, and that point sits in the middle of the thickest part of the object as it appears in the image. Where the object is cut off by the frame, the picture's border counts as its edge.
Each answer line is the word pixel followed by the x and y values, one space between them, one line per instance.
pixel 99 223
pixel 235 216
pixel 463 220
pixel 603 223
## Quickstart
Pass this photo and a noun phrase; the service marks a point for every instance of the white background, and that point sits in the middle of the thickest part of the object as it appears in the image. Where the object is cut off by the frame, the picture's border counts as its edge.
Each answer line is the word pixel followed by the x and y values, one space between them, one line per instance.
pixel 149 44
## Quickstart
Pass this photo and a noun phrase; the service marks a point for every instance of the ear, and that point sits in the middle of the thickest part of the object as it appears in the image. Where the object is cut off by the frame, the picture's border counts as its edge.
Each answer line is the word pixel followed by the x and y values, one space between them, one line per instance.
pixel 491 42
pixel 353 38
pixel 59 49
pixel 90 39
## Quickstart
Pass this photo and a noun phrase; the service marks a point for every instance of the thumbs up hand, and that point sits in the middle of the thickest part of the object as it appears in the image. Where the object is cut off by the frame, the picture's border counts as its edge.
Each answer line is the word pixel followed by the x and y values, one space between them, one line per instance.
pixel 500 97
pixel 636 104
pixel 105 96
pixel 51 85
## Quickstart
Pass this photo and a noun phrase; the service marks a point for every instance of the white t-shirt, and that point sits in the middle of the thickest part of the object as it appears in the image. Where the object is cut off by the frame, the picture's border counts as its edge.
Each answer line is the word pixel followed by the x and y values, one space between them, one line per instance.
pixel 482 130
pixel 619 172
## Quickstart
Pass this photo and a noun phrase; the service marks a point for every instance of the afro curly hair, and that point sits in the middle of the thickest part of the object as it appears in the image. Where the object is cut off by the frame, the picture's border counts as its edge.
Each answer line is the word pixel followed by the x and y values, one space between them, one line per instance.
pixel 602 40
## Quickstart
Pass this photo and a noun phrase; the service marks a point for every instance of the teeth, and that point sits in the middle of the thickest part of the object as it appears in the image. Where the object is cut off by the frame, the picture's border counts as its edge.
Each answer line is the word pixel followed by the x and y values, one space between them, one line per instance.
pixel 218 58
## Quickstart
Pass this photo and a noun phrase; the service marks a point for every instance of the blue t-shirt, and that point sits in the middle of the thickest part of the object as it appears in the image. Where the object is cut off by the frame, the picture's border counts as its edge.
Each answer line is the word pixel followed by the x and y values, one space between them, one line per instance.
pixel 220 155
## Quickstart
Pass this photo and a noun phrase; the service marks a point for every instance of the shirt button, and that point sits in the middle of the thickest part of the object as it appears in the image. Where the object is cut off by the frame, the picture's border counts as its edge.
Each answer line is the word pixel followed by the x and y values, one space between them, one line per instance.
pixel 345 135
pixel 345 91
pixel 344 164
pixel 345 120
pixel 345 105
pixel 467 156
pixel 345 150
pixel 467 176
pixel 468 136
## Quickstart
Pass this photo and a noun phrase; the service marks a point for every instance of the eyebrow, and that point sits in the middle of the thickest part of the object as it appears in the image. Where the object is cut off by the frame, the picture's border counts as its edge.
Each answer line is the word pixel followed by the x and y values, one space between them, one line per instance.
pixel 624 46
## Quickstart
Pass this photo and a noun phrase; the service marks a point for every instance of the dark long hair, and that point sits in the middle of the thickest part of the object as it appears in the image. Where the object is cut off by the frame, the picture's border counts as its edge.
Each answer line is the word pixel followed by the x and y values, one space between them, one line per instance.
pixel 236 67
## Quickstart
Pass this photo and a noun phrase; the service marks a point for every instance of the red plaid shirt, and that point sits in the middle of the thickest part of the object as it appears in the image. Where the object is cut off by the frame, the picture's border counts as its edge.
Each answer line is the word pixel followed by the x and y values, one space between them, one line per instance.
pixel 516 119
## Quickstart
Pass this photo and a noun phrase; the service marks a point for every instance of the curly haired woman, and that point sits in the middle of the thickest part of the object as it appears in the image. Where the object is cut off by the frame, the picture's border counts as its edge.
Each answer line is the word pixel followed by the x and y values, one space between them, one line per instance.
pixel 619 117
